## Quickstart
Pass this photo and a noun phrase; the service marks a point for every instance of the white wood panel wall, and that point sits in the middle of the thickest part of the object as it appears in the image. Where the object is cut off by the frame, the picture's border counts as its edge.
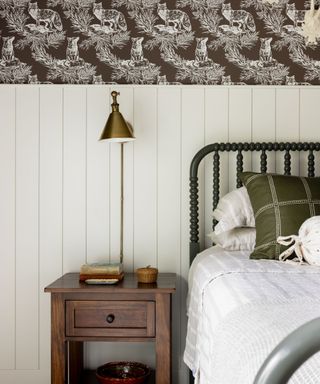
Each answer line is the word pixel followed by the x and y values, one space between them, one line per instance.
pixel 59 193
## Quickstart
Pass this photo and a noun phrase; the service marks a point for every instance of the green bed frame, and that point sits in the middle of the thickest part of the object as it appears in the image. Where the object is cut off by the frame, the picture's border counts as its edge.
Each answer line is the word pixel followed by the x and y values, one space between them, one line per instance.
pixel 194 246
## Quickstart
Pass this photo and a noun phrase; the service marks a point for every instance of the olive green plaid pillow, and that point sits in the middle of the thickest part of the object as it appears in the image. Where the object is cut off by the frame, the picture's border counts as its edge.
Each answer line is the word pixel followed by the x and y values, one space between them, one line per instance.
pixel 280 205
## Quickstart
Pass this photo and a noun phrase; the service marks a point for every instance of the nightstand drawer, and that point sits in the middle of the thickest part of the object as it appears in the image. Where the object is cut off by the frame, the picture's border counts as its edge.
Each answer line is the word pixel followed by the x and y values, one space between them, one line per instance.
pixel 110 318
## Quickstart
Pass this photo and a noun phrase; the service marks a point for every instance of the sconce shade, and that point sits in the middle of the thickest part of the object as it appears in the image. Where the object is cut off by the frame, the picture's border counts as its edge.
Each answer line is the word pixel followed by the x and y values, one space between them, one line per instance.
pixel 116 128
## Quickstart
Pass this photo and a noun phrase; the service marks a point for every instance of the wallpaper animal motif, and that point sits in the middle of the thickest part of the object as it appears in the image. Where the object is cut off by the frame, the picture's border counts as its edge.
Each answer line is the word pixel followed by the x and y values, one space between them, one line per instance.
pixel 228 42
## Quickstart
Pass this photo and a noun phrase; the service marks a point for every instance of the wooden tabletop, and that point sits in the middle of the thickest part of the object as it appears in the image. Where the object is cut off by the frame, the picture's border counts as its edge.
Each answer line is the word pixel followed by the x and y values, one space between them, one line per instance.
pixel 166 283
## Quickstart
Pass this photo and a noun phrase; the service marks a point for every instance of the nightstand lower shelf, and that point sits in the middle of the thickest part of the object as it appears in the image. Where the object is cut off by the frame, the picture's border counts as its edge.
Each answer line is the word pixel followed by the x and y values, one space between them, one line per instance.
pixel 89 377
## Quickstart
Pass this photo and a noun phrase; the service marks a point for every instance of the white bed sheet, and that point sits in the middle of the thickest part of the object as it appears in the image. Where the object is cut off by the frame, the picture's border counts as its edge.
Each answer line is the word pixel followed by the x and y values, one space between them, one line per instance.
pixel 240 309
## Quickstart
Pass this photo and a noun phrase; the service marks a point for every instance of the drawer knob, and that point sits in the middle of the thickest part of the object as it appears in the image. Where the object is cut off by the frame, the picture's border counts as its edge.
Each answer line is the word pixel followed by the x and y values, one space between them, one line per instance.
pixel 110 318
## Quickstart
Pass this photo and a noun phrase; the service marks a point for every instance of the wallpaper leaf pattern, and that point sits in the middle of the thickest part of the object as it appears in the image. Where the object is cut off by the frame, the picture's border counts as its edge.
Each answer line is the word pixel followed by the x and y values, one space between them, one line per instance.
pixel 228 42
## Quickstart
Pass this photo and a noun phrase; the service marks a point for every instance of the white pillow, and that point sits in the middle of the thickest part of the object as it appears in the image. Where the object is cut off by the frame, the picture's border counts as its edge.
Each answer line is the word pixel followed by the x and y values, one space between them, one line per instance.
pixel 238 239
pixel 234 210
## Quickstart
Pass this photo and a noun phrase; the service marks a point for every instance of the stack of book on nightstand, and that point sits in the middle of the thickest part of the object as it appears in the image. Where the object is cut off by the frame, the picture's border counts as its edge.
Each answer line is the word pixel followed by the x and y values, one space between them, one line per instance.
pixel 101 271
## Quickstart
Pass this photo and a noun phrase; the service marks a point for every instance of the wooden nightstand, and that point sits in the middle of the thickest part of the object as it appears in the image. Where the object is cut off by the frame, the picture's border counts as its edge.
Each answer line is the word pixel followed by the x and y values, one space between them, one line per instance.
pixel 128 311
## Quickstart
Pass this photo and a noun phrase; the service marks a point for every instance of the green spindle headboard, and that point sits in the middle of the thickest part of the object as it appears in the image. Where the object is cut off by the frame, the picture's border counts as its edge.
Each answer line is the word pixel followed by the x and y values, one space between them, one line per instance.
pixel 216 148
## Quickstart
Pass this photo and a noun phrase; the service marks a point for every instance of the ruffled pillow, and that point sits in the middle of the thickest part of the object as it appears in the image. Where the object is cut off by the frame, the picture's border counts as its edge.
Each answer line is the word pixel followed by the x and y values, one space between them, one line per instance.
pixel 234 210
pixel 237 239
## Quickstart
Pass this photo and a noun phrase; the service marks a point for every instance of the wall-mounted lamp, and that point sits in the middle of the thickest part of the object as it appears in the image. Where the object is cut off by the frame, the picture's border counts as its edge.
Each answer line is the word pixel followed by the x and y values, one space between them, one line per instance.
pixel 117 130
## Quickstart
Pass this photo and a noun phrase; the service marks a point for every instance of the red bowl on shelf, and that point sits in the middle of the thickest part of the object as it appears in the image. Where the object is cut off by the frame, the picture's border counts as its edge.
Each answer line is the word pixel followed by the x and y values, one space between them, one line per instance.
pixel 122 372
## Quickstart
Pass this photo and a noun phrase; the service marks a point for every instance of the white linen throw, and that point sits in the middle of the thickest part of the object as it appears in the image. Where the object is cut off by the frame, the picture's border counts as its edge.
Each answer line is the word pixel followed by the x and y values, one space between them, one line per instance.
pixel 241 309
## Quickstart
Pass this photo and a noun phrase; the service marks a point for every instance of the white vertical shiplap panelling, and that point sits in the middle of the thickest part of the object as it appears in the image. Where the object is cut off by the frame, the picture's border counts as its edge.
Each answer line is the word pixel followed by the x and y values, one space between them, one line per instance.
pixel 216 114
pixel 7 226
pixel 216 130
pixel 145 177
pixel 240 114
pixel 264 121
pixel 309 122
pixel 309 113
pixel 50 208
pixel 263 114
pixel 287 124
pixel 169 155
pixel 27 228
pixel 59 195
pixel 192 139
pixel 98 180
pixel 240 127
pixel 168 204
pixel 74 178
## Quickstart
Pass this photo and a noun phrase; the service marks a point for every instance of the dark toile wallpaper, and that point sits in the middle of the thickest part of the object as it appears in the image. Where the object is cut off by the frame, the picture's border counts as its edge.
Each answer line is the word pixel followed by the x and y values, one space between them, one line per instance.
pixel 156 42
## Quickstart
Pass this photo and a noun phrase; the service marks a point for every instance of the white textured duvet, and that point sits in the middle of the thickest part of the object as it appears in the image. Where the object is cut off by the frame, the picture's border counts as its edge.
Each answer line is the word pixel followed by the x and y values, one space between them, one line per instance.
pixel 240 309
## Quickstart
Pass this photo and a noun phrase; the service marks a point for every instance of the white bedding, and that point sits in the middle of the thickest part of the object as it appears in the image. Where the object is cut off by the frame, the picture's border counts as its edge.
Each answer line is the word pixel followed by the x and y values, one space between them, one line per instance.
pixel 240 309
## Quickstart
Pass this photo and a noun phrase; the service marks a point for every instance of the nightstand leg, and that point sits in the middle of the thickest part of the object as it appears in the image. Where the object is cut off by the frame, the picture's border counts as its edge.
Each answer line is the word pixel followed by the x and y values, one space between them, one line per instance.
pixel 58 345
pixel 163 338
pixel 75 361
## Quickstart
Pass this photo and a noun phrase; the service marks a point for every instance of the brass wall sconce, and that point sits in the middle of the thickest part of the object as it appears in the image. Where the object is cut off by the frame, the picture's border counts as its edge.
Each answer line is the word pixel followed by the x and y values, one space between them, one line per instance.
pixel 117 130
